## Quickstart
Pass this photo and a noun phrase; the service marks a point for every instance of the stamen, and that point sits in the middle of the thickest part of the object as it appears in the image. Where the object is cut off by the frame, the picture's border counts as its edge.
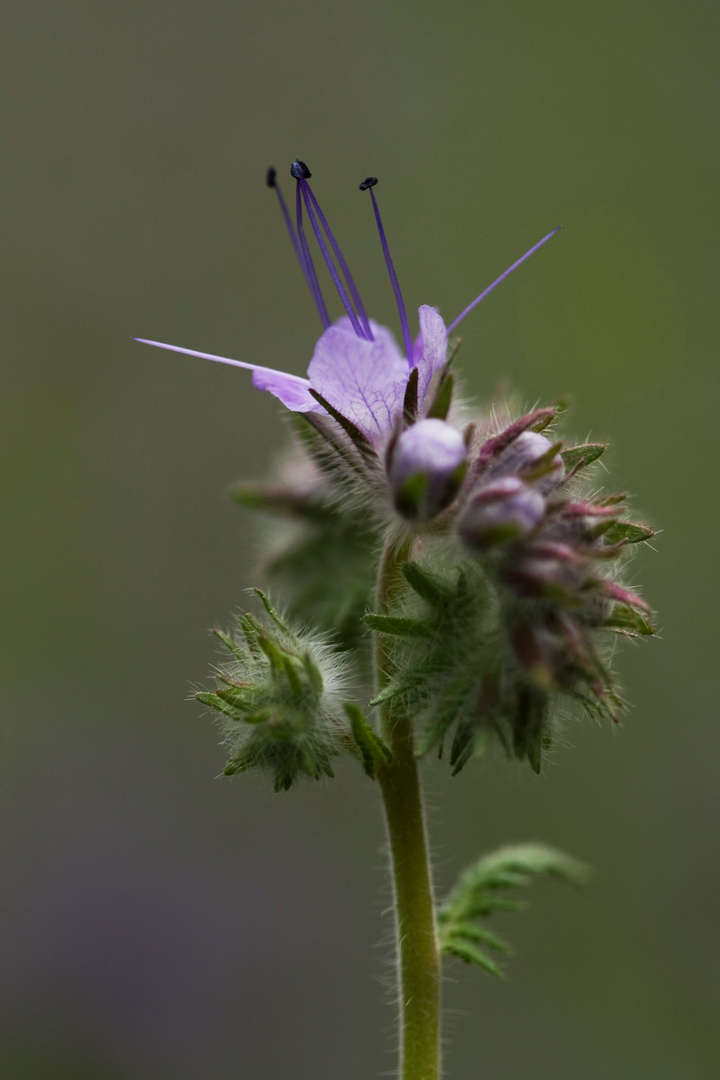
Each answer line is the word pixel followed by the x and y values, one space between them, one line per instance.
pixel 300 171
pixel 370 184
pixel 359 307
pixel 502 277
pixel 271 181
pixel 305 187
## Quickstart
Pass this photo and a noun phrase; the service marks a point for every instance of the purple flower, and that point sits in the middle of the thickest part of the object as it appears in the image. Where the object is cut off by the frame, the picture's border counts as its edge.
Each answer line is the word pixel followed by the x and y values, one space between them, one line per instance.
pixel 364 380
pixel 357 367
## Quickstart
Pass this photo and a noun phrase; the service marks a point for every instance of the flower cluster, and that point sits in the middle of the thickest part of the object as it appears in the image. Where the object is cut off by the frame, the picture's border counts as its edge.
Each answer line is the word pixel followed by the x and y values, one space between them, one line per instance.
pixel 281 700
pixel 512 622
pixel 511 570
pixel 552 554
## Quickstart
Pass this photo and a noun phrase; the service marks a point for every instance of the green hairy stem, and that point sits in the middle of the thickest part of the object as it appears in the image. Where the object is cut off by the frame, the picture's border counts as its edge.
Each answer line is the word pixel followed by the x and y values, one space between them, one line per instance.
pixel 418 955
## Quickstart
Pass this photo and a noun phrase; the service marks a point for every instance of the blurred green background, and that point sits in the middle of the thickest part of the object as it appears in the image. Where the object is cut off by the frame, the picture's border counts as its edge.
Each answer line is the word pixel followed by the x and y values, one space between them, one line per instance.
pixel 161 924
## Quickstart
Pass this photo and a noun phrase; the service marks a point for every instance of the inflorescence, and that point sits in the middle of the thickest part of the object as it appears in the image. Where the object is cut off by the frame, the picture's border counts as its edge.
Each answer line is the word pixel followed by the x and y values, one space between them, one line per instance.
pixel 511 588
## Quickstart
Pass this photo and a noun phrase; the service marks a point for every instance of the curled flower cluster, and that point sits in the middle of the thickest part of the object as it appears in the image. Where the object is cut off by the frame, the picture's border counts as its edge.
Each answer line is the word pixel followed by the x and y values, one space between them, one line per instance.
pixel 512 621
pixel 552 554
pixel 281 700
pixel 511 570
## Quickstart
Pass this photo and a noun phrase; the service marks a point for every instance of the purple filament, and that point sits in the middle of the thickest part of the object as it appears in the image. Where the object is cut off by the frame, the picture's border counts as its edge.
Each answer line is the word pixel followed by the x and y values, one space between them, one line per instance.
pixel 272 182
pixel 309 268
pixel 370 183
pixel 359 330
pixel 359 307
pixel 502 277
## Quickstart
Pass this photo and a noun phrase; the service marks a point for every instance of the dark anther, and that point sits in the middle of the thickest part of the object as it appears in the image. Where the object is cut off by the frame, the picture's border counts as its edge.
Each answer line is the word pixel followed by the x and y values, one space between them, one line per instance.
pixel 270 177
pixel 370 182
pixel 300 171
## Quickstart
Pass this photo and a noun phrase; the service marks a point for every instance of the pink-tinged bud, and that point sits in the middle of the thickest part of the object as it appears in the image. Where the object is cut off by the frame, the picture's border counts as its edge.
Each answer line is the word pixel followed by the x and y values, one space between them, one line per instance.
pixel 539 652
pixel 425 467
pixel 530 453
pixel 499 512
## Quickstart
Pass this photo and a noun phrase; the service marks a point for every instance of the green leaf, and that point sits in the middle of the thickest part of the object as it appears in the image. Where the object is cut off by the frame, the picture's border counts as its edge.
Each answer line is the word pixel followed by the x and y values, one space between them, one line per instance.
pixel 273 613
pixel 628 620
pixel 429 587
pixel 242 697
pixel 373 751
pixel 628 532
pixel 473 932
pixel 546 416
pixel 253 629
pixel 397 626
pixel 443 714
pixel 543 465
pixel 216 702
pixel 238 764
pixel 231 644
pixel 274 654
pixel 578 457
pixel 476 896
pixel 529 725
pixel 313 673
pixel 391 690
pixel 470 954
pixel 296 687
pixel 443 397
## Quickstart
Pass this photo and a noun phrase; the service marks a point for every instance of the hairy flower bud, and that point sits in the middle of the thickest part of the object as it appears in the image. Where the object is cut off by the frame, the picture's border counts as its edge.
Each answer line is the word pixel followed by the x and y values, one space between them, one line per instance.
pixel 529 456
pixel 425 467
pixel 499 512
pixel 281 700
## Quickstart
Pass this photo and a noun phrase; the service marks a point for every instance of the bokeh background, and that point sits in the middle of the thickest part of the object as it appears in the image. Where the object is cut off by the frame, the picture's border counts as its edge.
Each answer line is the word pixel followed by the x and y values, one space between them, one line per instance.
pixel 159 923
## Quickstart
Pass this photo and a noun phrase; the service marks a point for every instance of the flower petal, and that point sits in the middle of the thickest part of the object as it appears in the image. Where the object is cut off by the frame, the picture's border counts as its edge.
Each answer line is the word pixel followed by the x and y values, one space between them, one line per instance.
pixel 364 380
pixel 433 339
pixel 293 391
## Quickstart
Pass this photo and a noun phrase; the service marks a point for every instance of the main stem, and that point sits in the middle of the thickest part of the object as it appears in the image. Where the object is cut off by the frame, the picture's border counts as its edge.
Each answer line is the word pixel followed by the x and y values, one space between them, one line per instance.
pixel 417 950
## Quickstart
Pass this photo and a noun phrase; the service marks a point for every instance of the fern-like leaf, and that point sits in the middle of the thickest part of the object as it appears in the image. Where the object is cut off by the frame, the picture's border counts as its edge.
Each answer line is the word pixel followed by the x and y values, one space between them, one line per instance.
pixel 480 892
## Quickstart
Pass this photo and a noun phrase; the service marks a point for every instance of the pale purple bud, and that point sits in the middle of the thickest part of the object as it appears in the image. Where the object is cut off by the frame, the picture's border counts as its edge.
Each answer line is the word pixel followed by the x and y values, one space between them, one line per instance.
pixel 425 467
pixel 499 512
pixel 523 454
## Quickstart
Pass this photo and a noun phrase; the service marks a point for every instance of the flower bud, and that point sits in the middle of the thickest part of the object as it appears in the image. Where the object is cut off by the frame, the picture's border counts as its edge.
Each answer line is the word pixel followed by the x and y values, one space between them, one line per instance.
pixel 524 455
pixel 280 699
pixel 425 467
pixel 499 512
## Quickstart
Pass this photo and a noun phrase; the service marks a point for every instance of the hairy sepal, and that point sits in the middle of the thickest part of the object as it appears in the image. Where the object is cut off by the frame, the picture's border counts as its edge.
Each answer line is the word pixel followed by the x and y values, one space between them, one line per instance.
pixel 373 751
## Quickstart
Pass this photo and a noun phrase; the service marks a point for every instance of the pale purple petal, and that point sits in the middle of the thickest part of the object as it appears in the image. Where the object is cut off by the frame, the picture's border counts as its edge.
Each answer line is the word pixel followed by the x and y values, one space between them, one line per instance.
pixel 293 391
pixel 290 389
pixel 364 380
pixel 433 353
